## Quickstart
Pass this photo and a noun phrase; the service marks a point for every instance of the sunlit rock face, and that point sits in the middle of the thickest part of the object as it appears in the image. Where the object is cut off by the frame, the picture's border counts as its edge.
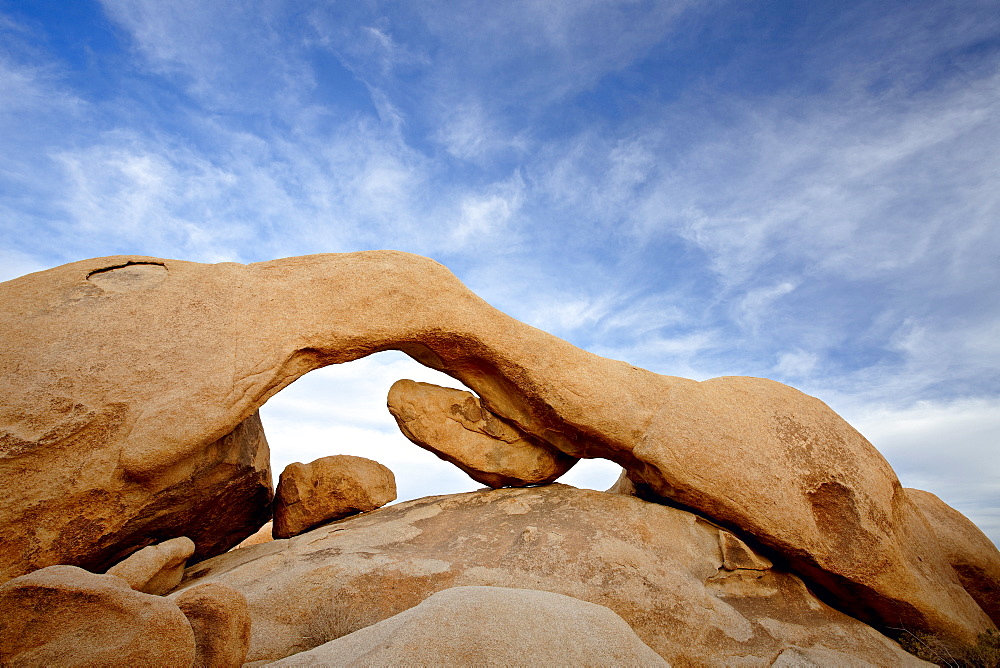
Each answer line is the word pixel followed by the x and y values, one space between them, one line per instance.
pixel 490 626
pixel 64 615
pixel 328 489
pixel 128 416
pixel 694 593
pixel 973 556
pixel 454 425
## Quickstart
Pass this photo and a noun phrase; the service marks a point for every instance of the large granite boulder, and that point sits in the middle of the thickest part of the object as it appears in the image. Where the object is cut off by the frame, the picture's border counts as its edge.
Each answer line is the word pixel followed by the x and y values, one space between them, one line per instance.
pixel 125 376
pixel 455 426
pixel 220 619
pixel 489 626
pixel 156 569
pixel 696 594
pixel 327 489
pixel 971 553
pixel 66 616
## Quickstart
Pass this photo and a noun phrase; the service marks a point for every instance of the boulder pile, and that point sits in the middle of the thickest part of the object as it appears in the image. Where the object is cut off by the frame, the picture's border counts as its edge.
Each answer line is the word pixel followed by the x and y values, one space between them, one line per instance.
pixel 128 418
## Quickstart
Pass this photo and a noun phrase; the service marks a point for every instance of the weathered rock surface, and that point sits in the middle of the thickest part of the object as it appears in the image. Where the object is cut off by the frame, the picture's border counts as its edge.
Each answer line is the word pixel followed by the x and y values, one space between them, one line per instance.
pixel 661 569
pixel 489 626
pixel 328 489
pixel 66 616
pixel 220 619
pixel 455 426
pixel 76 506
pixel 156 569
pixel 973 556
pixel 123 373
pixel 817 657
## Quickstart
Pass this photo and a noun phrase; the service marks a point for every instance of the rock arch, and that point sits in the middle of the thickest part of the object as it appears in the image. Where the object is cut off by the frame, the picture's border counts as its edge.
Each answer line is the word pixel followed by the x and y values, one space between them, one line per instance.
pixel 116 399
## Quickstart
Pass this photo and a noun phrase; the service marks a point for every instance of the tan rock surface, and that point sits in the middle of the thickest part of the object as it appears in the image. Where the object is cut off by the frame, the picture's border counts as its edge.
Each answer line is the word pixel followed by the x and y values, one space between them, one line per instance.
pixel 66 616
pixel 220 619
pixel 122 372
pixel 263 535
pixel 454 425
pixel 328 489
pixel 661 569
pixel 489 626
pixel 156 569
pixel 972 554
pixel 817 657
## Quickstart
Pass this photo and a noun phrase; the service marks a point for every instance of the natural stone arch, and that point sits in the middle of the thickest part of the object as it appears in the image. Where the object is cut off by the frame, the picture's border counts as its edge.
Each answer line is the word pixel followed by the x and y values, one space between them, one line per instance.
pixel 134 386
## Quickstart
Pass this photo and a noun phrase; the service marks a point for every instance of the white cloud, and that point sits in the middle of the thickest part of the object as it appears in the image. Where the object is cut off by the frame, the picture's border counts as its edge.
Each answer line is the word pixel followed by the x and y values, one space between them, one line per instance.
pixel 489 215
pixel 14 264
pixel 203 46
pixel 469 132
pixel 149 196
pixel 796 364
pixel 752 309
pixel 950 448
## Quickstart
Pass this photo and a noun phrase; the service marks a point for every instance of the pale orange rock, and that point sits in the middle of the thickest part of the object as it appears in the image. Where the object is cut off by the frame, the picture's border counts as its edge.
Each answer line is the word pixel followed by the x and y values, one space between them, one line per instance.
pixel 220 618
pixel 66 616
pixel 490 626
pixel 263 535
pixel 122 374
pixel 972 554
pixel 663 570
pixel 328 489
pixel 156 569
pixel 455 426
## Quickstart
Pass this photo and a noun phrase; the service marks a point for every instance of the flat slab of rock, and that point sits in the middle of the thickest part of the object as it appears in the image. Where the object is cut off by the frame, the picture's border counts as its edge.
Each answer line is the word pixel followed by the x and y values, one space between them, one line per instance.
pixel 490 626
pixel 663 570
pixel 454 425
pixel 329 489
pixel 66 616
pixel 156 569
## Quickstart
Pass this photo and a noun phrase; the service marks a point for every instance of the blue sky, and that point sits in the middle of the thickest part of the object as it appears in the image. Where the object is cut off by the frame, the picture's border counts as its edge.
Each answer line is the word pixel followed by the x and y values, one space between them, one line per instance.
pixel 803 191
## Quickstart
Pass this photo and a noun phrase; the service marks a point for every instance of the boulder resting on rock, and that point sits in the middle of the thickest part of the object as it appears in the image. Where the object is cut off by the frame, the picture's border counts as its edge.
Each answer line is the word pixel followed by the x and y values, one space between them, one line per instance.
pixel 156 569
pixel 971 553
pixel 454 426
pixel 328 489
pixel 220 619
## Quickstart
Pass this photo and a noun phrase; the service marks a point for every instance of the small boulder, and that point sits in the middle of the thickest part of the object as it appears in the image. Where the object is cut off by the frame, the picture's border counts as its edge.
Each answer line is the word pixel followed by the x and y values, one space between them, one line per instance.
pixel 455 426
pixel 974 557
pixel 156 569
pixel 220 618
pixel 66 616
pixel 329 489
pixel 490 626
pixel 263 535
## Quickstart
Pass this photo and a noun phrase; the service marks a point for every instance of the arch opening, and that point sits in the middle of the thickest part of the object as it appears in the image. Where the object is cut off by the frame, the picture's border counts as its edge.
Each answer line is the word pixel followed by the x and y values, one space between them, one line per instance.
pixel 340 409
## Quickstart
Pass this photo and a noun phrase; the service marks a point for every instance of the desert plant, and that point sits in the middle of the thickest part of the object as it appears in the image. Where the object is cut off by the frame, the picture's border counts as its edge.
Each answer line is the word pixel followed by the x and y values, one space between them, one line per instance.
pixel 984 654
